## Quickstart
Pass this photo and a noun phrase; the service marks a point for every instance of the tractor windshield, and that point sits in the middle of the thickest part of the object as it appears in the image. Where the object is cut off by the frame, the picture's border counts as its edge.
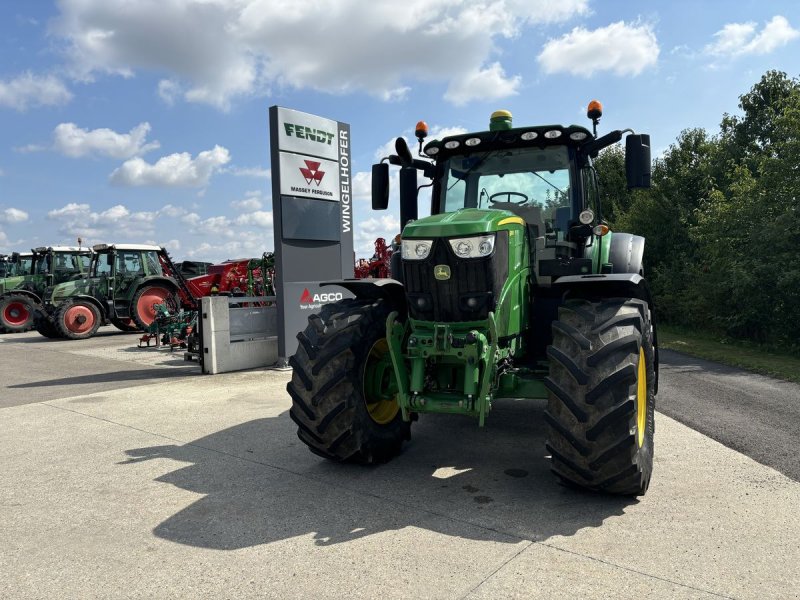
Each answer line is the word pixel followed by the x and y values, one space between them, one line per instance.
pixel 523 178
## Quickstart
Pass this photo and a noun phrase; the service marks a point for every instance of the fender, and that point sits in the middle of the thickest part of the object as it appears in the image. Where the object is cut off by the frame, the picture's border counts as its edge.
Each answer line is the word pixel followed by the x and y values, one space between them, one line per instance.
pixel 615 285
pixel 23 292
pixel 626 253
pixel 158 279
pixel 390 290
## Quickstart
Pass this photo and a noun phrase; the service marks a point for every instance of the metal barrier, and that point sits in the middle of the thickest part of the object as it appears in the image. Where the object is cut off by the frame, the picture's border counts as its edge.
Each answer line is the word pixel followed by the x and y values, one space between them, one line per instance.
pixel 235 335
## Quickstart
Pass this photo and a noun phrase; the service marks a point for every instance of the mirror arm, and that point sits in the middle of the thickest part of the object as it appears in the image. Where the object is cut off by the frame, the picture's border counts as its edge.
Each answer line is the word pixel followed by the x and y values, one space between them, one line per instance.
pixel 594 147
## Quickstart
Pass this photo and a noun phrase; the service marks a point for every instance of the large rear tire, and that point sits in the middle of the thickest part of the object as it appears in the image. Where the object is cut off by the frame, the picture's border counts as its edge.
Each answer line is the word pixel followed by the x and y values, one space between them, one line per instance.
pixel 143 310
pixel 600 412
pixel 344 387
pixel 16 313
pixel 45 326
pixel 77 319
pixel 126 325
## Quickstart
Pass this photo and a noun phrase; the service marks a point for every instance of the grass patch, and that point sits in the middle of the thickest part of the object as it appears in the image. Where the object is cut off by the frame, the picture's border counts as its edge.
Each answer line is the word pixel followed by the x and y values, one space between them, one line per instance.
pixel 744 355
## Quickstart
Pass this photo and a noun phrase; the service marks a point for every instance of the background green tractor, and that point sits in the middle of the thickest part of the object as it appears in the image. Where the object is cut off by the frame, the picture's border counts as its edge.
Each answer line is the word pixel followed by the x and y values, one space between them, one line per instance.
pixel 22 289
pixel 514 287
pixel 124 284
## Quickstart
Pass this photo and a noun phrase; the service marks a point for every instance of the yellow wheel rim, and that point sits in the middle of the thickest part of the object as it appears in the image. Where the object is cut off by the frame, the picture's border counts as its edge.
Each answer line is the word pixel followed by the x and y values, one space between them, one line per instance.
pixel 380 384
pixel 641 399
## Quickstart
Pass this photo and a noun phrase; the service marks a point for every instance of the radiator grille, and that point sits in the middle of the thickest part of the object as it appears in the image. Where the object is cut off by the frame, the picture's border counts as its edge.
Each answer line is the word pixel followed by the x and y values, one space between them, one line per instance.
pixel 430 299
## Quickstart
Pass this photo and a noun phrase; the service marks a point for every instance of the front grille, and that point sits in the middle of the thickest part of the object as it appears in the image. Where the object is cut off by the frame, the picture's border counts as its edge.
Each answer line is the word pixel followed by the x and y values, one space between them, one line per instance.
pixel 481 279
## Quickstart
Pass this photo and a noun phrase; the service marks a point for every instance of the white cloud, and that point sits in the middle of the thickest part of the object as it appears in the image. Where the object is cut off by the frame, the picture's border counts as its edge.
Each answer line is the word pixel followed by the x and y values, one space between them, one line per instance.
pixel 259 218
pixel 250 202
pixel 169 90
pixel 212 238
pixel 27 90
pixel 247 244
pixel 13 215
pixel 174 170
pixel 73 141
pixel 623 49
pixel 384 226
pixel 172 211
pixel 482 84
pixel 739 39
pixel 98 226
pixel 247 47
pixel 257 172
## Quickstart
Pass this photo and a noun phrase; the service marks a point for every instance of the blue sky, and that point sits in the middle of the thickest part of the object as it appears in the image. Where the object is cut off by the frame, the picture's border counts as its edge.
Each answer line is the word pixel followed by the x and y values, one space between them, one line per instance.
pixel 146 121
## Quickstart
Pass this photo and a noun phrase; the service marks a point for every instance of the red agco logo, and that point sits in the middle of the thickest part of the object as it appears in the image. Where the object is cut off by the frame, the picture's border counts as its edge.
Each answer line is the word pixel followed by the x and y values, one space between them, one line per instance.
pixel 308 298
pixel 311 173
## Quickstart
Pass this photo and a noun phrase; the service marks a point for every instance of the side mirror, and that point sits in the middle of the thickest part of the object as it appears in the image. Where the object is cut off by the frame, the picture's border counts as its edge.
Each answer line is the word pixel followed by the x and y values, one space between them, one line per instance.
pixel 380 186
pixel 401 147
pixel 637 161
pixel 110 259
pixel 408 195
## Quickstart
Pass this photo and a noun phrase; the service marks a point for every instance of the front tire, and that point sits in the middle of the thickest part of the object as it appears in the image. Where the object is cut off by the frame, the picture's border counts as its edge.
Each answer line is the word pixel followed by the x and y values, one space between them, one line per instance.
pixel 16 313
pixel 600 412
pixel 344 387
pixel 77 319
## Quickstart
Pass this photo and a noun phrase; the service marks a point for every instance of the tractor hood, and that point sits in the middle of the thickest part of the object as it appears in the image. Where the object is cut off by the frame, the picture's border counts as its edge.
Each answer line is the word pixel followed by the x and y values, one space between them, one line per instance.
pixel 60 292
pixel 467 221
pixel 11 283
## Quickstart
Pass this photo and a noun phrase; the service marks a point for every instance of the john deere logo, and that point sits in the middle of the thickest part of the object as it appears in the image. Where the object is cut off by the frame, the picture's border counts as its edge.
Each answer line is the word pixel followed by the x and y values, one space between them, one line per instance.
pixel 441 272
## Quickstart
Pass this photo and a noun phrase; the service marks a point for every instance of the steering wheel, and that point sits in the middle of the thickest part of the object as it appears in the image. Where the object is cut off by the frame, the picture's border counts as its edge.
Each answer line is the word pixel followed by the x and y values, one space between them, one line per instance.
pixel 508 195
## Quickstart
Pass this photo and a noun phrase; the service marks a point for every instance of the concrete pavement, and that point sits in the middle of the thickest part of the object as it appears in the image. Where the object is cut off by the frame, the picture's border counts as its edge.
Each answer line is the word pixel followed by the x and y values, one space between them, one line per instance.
pixel 195 486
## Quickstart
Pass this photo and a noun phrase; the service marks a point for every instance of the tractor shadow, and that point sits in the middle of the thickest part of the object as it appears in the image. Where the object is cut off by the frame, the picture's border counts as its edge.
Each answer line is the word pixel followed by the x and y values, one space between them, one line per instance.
pixel 260 484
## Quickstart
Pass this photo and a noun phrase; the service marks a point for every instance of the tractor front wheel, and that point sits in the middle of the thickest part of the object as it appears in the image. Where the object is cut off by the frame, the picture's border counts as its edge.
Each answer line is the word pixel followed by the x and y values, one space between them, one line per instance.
pixel 143 311
pixel 77 319
pixel 344 389
pixel 16 313
pixel 600 412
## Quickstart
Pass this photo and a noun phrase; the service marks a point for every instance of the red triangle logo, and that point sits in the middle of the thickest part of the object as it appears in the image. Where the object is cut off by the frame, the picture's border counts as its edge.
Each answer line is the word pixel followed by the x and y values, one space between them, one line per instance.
pixel 306 298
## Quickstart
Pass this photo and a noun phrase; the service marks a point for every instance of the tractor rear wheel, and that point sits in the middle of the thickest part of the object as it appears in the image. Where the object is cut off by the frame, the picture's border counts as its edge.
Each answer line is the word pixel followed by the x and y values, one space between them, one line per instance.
pixel 126 325
pixel 143 310
pixel 16 313
pixel 600 412
pixel 77 319
pixel 344 389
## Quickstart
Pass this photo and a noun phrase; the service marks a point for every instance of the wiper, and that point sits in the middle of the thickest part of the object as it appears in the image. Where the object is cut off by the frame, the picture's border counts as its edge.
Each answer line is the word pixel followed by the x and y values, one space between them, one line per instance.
pixel 555 187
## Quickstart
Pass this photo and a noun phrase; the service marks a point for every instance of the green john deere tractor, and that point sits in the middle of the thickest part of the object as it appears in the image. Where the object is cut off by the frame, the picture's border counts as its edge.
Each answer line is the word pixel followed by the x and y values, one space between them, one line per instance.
pixel 514 287
pixel 124 283
pixel 22 289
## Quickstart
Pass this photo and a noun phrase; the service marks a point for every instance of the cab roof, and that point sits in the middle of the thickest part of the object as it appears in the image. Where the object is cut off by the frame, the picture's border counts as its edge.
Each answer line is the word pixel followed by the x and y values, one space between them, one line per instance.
pixel 110 247
pixel 62 249
pixel 520 137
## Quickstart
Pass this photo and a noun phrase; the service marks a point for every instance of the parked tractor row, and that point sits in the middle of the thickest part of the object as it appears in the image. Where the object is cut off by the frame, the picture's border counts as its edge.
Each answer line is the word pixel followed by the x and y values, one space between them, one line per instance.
pixel 28 275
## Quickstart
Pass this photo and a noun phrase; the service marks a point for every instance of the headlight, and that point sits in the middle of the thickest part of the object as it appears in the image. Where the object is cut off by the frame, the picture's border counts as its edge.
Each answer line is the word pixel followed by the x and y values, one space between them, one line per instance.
pixel 416 249
pixel 473 247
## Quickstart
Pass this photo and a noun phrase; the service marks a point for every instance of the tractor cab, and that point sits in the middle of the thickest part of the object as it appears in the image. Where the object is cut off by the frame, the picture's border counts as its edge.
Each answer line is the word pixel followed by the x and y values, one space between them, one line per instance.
pixel 61 263
pixel 19 264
